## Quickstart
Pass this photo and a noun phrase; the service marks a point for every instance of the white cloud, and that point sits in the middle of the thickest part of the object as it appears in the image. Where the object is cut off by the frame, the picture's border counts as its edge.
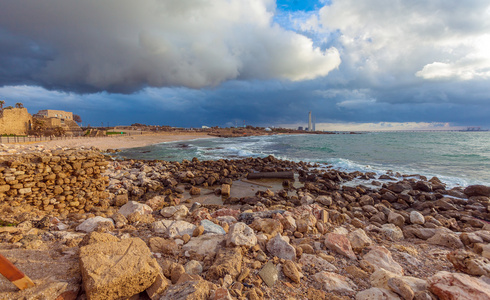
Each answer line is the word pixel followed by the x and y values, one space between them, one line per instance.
pixel 126 45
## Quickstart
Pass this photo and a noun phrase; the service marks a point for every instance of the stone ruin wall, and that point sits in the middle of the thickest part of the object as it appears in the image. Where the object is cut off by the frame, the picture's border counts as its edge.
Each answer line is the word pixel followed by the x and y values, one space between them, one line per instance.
pixel 59 182
pixel 15 121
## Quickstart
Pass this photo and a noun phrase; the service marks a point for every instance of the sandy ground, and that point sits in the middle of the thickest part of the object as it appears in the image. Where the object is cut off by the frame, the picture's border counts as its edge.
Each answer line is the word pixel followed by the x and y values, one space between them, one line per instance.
pixel 121 142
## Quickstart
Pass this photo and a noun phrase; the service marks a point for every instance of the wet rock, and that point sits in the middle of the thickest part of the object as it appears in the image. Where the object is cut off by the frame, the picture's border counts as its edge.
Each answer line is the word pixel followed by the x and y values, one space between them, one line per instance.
pixel 117 269
pixel 241 235
pixel 269 274
pixel 380 257
pixel 329 282
pixel 477 190
pixel 91 224
pixel 469 263
pixel 340 244
pixel 447 285
pixel 279 247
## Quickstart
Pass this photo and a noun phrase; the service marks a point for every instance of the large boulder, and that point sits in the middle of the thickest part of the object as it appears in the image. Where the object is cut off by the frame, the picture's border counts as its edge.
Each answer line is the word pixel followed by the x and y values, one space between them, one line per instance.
pixel 380 257
pixel 340 244
pixel 279 247
pixel 114 270
pixel 477 190
pixel 446 285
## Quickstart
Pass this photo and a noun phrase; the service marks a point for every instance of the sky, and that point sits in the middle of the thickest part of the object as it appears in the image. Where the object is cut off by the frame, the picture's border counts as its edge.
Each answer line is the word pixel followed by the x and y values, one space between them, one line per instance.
pixel 371 64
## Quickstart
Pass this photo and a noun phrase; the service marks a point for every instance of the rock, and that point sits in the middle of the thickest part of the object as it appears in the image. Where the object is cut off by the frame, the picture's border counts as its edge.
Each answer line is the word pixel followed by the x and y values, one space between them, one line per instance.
pixel 176 272
pixel 158 287
pixel 97 237
pixel 156 202
pixel 469 263
pixel 178 212
pixel 446 285
pixel 192 289
pixel 279 247
pixel 423 186
pixel 161 245
pixel 225 190
pixel 227 261
pixel 198 231
pixel 313 261
pixel 193 267
pixel 446 239
pixel 173 228
pixel 381 277
pixel 210 227
pixel 380 257
pixel 376 294
pixel 392 232
pixel 194 191
pixel 269 274
pixel 359 240
pixel 267 226
pixel 133 206
pixel 330 282
pixel 114 270
pixel 291 271
pixel 325 200
pixel 416 218
pixel 401 288
pixel 91 224
pixel 241 235
pixel 477 190
pixel 396 219
pixel 204 245
pixel 340 244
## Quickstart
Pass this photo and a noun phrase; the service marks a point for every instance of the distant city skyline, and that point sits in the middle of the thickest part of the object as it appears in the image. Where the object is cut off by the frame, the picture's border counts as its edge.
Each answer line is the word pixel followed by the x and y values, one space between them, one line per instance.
pixel 353 64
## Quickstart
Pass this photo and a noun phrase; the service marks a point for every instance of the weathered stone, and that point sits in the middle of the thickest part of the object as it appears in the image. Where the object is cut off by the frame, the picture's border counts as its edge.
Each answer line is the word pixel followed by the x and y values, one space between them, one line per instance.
pixel 359 240
pixel 96 237
pixel 447 285
pixel 279 247
pixel 325 200
pixel 446 239
pixel 241 235
pixel 376 294
pixel 193 267
pixel 91 224
pixel 416 218
pixel 396 219
pixel 469 263
pixel 191 290
pixel 380 257
pixel 329 282
pixel 204 244
pixel 178 212
pixel 340 244
pixel 194 191
pixel 225 190
pixel 173 228
pixel 392 232
pixel 291 271
pixel 228 261
pixel 114 270
pixel 401 288
pixel 269 274
pixel 313 261
pixel 212 228
pixel 133 206
pixel 268 226
pixel 158 287
pixel 176 272
pixel 477 190
pixel 161 245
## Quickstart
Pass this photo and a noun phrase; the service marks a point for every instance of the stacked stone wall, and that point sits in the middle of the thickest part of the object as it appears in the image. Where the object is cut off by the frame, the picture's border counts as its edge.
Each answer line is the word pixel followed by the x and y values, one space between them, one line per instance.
pixel 61 181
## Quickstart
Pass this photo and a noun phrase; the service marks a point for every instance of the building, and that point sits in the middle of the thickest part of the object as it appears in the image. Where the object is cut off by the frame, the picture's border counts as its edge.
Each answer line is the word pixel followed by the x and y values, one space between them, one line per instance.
pixel 15 121
pixel 59 118
pixel 309 122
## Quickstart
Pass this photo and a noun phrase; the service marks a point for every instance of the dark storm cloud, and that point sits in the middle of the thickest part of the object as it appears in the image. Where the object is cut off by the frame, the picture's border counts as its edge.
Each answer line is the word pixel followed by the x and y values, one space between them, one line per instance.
pixel 123 46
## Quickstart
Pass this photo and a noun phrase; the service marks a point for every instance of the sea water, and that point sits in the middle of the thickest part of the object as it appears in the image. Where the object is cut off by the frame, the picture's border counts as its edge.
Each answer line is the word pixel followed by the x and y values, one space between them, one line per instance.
pixel 457 158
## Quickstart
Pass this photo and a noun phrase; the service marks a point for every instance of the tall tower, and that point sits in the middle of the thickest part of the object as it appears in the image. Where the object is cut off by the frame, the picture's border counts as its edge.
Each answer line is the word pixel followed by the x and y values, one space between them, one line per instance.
pixel 309 122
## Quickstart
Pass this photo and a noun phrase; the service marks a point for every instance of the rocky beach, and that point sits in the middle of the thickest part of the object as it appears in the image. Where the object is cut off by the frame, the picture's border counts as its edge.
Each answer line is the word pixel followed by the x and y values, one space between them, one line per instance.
pixel 83 225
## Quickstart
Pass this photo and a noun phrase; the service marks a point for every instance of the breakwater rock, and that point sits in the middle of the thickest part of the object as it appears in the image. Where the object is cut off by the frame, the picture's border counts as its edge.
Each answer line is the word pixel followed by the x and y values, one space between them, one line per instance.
pixel 315 237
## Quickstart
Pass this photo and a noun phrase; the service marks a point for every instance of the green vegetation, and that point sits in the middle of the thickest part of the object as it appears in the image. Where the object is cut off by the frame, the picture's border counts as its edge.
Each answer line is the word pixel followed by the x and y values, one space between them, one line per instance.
pixel 115 132
pixel 13 135
pixel 6 224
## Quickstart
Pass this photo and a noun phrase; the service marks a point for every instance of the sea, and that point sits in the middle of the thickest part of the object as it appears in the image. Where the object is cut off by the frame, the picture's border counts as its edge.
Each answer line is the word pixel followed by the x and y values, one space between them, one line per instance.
pixel 456 158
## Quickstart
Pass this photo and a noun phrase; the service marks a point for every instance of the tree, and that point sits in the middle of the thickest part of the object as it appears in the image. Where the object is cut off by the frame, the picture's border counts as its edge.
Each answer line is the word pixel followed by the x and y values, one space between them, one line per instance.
pixel 77 118
pixel 19 105
pixel 2 102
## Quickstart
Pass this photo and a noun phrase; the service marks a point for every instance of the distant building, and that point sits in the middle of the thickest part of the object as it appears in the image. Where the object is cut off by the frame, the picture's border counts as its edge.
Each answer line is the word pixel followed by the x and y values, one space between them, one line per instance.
pixel 309 121
pixel 300 128
pixel 268 129
pixel 59 118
